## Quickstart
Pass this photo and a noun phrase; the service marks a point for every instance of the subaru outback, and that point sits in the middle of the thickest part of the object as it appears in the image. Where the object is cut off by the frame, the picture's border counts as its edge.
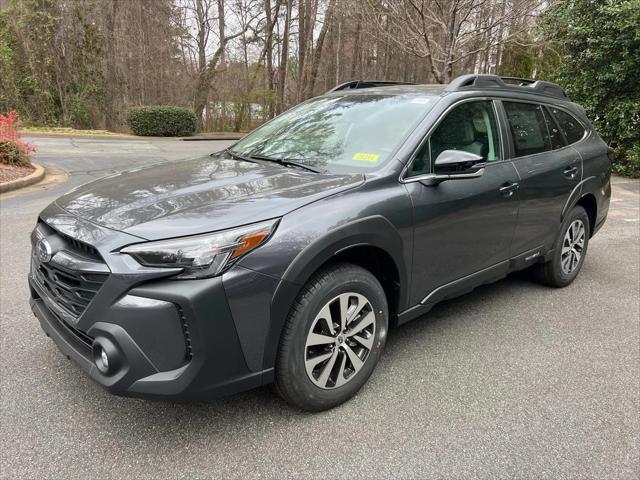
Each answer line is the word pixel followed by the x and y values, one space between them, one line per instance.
pixel 286 258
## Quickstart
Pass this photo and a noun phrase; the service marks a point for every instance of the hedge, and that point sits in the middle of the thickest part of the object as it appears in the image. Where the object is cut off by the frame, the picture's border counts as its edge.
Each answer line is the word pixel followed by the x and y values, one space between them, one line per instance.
pixel 161 121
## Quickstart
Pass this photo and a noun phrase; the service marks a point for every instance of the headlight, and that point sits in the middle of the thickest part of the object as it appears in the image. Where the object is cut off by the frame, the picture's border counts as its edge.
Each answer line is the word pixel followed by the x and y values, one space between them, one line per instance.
pixel 202 256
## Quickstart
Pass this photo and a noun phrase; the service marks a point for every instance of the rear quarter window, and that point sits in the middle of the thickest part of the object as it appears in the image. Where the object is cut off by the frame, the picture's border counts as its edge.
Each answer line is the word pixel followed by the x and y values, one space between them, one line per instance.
pixel 572 128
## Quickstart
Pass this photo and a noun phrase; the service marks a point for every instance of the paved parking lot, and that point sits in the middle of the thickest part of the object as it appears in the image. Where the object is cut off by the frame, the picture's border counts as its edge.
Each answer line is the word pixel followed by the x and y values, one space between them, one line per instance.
pixel 513 380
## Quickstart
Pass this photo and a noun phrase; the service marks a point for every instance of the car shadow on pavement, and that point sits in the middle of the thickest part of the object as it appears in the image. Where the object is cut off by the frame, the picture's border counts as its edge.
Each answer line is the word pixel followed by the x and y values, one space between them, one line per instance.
pixel 407 345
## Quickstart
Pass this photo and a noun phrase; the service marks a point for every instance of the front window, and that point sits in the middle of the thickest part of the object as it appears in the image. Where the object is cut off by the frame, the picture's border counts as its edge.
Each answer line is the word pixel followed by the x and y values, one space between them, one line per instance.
pixel 347 134
pixel 471 127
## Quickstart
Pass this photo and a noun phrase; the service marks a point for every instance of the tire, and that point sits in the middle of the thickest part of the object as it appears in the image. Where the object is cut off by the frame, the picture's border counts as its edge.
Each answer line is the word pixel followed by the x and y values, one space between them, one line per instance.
pixel 337 375
pixel 555 273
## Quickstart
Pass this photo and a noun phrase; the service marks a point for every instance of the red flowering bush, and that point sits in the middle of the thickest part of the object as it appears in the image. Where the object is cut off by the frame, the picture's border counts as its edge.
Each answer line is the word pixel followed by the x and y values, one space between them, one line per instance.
pixel 13 151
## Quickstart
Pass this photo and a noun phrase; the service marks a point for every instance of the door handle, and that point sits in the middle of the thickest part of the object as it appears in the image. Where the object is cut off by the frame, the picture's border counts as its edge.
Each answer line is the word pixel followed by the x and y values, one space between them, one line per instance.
pixel 570 172
pixel 509 189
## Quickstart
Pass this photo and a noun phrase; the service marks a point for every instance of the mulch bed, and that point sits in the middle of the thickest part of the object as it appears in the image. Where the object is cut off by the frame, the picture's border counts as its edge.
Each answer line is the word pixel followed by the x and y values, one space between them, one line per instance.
pixel 12 172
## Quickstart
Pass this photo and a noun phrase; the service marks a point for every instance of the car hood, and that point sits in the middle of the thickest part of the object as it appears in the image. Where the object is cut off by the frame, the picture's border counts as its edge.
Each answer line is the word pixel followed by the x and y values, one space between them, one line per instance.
pixel 200 195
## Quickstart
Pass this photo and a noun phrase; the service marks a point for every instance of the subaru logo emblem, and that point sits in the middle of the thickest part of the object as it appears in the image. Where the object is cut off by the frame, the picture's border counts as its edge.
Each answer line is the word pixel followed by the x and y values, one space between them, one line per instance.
pixel 43 251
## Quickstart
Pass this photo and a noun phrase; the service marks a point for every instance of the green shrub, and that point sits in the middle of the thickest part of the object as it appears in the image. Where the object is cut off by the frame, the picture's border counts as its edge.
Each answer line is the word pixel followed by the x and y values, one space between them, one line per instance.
pixel 12 153
pixel 161 121
pixel 628 163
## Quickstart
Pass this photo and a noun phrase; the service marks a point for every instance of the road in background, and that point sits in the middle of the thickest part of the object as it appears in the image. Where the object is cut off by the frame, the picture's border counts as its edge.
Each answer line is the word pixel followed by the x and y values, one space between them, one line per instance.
pixel 512 380
pixel 85 159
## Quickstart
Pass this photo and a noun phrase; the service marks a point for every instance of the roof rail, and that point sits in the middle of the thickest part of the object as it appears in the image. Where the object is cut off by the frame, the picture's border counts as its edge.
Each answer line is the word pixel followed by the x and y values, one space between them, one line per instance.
pixel 523 81
pixel 472 81
pixel 353 84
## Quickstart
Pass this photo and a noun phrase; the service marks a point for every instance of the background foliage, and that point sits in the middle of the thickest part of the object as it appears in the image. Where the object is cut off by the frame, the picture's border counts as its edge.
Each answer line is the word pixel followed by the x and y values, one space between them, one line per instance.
pixel 599 41
pixel 236 63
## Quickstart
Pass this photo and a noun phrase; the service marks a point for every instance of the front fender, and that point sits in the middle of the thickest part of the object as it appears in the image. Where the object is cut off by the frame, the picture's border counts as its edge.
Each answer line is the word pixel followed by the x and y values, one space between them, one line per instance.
pixel 374 231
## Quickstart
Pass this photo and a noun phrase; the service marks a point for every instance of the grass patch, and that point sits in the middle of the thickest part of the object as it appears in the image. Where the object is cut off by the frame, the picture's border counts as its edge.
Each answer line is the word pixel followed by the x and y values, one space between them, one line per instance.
pixel 26 130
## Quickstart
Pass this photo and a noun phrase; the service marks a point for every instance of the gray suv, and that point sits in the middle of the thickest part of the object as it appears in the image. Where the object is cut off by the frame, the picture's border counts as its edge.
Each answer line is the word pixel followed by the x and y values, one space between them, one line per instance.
pixel 286 258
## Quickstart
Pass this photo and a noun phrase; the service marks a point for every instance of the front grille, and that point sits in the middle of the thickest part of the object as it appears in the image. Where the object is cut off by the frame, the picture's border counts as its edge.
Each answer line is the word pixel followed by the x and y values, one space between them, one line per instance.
pixel 81 339
pixel 82 247
pixel 72 290
pixel 73 276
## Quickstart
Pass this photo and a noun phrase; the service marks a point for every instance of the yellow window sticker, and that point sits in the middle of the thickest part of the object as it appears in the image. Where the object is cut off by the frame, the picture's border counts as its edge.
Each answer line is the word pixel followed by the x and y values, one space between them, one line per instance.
pixel 366 157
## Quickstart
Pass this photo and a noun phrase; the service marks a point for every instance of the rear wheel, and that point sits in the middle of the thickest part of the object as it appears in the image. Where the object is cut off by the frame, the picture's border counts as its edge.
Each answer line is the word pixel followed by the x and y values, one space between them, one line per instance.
pixel 333 338
pixel 569 251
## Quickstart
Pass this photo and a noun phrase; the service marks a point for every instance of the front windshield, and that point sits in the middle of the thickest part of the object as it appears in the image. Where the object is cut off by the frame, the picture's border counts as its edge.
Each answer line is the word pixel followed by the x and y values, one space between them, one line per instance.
pixel 349 133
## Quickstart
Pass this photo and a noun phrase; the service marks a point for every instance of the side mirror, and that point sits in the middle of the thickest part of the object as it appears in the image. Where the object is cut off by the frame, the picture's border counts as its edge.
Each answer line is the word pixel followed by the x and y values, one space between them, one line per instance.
pixel 452 161
pixel 454 165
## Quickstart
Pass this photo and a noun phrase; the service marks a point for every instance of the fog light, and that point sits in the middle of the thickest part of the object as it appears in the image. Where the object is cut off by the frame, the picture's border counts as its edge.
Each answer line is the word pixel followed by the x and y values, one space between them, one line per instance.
pixel 106 356
pixel 102 360
pixel 105 360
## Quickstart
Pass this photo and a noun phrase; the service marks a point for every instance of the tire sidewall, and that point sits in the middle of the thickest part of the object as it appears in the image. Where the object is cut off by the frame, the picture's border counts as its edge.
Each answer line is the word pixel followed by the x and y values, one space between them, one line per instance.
pixel 364 283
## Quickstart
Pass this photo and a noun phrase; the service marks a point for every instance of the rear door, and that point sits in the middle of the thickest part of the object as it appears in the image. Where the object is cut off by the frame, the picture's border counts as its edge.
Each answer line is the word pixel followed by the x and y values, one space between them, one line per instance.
pixel 549 170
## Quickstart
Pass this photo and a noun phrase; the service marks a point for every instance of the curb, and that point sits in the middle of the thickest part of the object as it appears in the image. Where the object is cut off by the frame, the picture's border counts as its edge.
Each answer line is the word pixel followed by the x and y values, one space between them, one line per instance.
pixel 229 136
pixel 35 177
pixel 88 136
pixel 619 179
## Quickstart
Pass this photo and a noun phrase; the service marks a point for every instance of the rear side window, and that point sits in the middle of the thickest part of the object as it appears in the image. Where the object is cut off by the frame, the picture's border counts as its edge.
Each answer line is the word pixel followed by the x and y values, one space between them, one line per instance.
pixel 555 137
pixel 572 128
pixel 528 128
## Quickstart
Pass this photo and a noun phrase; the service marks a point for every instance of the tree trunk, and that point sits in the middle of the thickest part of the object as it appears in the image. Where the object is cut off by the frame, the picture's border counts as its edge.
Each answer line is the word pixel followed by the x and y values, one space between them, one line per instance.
pixel 221 30
pixel 450 45
pixel 111 81
pixel 284 58
pixel 339 48
pixel 269 44
pixel 311 81
pixel 302 45
pixel 203 85
pixel 311 10
pixel 356 48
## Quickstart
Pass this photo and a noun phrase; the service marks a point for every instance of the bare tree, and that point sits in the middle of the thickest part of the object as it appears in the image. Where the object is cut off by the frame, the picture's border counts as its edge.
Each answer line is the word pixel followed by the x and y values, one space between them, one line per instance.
pixel 237 62
pixel 445 33
pixel 207 69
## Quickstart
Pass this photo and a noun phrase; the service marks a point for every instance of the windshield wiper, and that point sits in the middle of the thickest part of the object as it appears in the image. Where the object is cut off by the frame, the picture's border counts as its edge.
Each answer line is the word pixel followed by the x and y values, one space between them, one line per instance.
pixel 284 161
pixel 235 156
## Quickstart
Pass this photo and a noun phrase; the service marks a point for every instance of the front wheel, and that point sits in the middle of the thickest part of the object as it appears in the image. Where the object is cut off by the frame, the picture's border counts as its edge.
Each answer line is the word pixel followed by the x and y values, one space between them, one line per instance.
pixel 333 338
pixel 569 251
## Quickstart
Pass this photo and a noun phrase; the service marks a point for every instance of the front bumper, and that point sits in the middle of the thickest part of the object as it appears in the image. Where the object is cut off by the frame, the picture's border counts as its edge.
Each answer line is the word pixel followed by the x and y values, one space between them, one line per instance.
pixel 165 338
pixel 149 342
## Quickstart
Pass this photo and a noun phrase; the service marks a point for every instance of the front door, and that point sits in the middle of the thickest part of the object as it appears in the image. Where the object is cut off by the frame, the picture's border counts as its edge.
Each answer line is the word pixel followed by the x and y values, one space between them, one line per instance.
pixel 462 226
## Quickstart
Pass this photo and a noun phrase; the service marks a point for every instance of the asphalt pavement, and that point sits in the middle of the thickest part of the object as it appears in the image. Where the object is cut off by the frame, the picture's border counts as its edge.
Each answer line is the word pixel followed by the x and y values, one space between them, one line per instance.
pixel 513 380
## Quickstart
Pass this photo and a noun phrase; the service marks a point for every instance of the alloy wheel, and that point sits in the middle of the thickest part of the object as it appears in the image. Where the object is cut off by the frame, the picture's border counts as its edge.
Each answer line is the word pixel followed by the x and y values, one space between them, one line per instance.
pixel 573 247
pixel 340 340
